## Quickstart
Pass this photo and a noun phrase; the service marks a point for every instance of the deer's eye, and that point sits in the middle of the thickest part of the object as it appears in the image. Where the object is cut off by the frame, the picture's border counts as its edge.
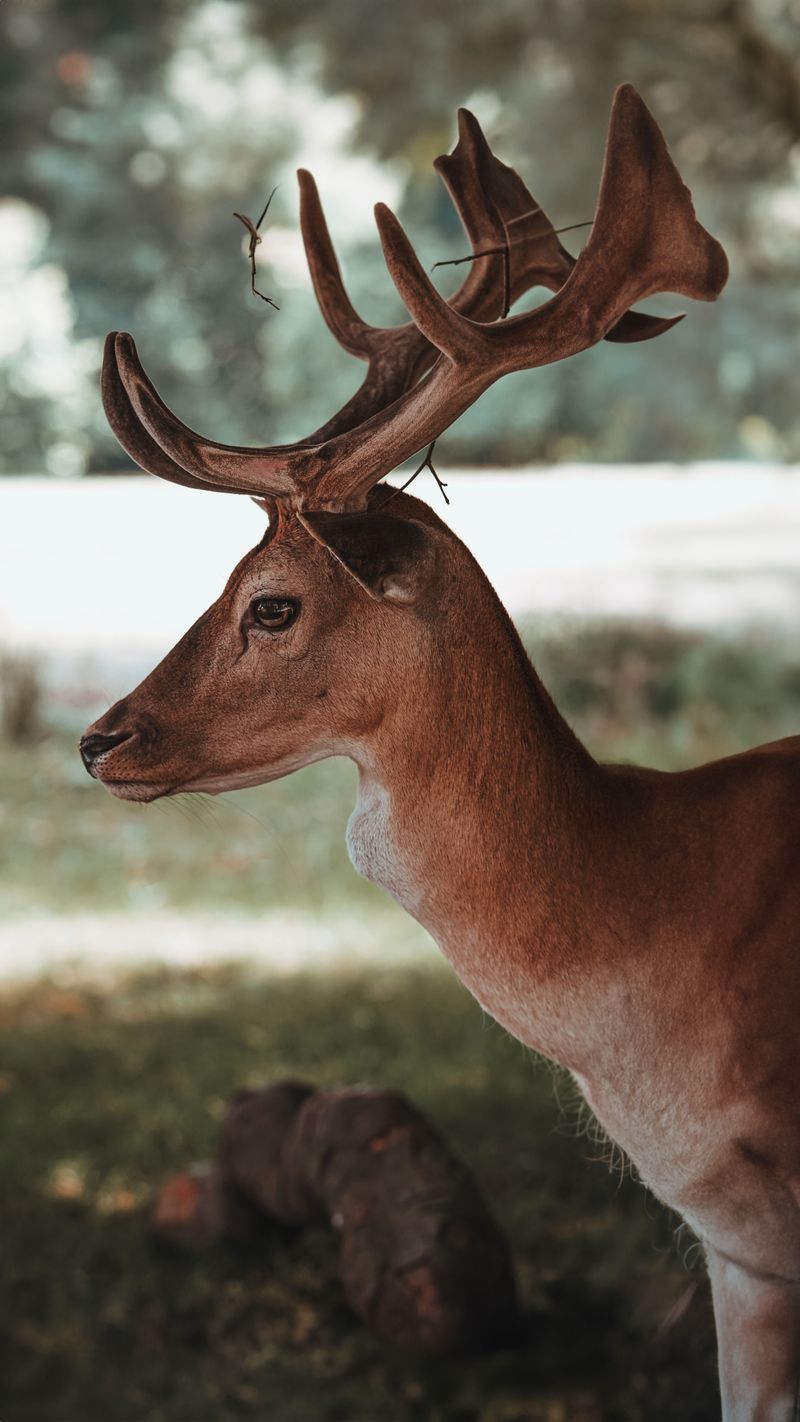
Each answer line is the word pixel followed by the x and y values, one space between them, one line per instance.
pixel 274 613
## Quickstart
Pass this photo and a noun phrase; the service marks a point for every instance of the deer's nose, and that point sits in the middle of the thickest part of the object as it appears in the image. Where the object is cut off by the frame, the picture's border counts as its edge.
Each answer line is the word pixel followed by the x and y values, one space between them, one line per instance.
pixel 93 746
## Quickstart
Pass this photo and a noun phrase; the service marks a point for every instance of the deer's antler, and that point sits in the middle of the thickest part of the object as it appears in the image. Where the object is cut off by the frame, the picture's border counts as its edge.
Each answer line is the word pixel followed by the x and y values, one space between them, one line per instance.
pixel 397 356
pixel 423 375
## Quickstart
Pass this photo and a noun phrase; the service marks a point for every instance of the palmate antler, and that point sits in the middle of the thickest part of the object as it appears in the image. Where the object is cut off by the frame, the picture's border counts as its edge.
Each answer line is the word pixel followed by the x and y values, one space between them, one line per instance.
pixel 421 376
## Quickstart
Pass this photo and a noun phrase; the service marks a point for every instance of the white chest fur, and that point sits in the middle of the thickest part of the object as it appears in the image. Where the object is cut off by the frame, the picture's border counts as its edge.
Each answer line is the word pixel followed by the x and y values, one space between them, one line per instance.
pixel 373 848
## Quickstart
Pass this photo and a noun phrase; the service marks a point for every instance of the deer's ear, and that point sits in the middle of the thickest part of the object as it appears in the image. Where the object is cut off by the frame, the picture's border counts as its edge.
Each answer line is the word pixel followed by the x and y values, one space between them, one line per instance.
pixel 391 558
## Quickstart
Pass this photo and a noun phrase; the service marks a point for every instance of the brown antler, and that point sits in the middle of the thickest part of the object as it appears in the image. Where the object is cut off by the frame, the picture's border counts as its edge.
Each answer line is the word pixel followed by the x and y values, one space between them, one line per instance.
pixel 490 199
pixel 151 434
pixel 480 183
pixel 645 239
pixel 501 219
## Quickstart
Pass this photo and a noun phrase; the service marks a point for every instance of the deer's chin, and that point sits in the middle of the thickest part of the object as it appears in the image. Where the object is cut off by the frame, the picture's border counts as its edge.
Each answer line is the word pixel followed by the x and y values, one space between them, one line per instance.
pixel 234 780
pixel 139 790
pixel 218 783
pixel 209 783
pixel 145 791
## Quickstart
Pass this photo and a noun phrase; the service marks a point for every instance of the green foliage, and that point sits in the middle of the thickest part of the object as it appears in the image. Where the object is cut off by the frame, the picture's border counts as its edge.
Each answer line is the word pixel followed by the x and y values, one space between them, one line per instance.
pixel 665 697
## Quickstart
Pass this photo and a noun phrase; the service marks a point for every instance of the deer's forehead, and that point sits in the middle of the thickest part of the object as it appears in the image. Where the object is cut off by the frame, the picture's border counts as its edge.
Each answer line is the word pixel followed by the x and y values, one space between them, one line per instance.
pixel 280 563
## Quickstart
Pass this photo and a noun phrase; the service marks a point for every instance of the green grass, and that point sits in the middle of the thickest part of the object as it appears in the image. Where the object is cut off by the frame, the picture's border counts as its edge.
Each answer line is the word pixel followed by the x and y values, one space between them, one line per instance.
pixel 105 1094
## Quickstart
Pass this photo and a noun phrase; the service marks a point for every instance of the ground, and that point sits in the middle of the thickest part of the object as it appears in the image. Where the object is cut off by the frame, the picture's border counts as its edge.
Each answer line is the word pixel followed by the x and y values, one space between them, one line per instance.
pixel 103 1094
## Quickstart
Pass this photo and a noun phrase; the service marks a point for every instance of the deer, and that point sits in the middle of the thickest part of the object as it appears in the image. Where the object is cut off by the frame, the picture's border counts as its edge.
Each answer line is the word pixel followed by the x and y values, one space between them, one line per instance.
pixel 639 928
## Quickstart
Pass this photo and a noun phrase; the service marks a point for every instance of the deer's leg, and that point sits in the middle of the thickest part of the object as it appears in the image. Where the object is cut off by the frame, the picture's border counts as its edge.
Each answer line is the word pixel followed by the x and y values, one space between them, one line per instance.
pixel 758 1336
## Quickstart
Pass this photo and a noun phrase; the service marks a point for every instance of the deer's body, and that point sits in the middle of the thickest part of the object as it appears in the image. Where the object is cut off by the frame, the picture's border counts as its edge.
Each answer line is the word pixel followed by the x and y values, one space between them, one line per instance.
pixel 639 928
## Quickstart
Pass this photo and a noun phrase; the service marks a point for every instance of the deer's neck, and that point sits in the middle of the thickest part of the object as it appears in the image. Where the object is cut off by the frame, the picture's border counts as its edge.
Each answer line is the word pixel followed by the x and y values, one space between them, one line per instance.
pixel 478 810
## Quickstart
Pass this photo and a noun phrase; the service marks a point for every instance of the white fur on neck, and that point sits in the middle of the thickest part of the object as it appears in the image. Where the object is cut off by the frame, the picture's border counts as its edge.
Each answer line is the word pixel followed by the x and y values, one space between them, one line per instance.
pixel 373 850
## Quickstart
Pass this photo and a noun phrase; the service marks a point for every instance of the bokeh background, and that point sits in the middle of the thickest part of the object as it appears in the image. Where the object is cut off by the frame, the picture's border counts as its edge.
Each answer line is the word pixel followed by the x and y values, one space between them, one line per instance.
pixel 638 509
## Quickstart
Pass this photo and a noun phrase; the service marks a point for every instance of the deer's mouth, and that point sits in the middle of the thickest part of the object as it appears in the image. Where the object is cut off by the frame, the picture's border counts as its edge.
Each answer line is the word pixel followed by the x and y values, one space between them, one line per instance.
pixel 109 750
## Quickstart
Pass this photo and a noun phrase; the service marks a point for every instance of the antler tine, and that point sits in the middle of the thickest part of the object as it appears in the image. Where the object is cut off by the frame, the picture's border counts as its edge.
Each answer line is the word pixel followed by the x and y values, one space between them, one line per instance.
pixel 341 318
pixel 399 355
pixel 276 471
pixel 645 238
pixel 496 207
pixel 132 434
pixel 446 329
pixel 535 255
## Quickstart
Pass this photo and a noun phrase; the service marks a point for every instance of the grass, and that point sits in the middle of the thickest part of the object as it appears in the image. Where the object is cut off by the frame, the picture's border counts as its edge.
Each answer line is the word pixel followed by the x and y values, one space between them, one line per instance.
pixel 102 1092
pixel 280 844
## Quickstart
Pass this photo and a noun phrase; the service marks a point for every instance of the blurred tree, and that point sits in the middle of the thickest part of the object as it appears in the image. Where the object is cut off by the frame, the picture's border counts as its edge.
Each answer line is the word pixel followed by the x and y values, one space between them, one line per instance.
pixel 137 128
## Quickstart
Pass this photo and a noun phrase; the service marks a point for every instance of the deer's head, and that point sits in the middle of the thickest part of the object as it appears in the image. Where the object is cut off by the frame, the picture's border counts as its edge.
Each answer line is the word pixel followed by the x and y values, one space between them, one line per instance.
pixel 320 625
pixel 292 663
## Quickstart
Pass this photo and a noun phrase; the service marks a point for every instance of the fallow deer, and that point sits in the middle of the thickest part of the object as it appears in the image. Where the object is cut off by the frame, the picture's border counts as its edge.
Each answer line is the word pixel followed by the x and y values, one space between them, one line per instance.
pixel 637 927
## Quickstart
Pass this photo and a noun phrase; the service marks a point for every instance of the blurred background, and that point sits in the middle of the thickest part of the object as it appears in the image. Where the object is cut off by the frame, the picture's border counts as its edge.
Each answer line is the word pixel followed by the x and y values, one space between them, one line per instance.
pixel 638 510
